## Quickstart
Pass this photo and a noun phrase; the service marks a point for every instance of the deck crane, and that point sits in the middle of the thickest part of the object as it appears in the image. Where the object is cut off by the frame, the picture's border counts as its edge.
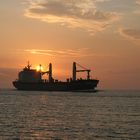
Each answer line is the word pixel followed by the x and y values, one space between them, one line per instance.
pixel 82 70
pixel 49 72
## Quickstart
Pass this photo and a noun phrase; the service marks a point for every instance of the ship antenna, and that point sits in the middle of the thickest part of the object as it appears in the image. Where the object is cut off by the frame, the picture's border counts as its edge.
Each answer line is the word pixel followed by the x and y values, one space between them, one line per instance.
pixel 28 66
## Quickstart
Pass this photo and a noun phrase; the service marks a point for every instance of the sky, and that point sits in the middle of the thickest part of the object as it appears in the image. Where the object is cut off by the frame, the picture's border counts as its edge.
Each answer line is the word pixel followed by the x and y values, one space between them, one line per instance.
pixel 102 35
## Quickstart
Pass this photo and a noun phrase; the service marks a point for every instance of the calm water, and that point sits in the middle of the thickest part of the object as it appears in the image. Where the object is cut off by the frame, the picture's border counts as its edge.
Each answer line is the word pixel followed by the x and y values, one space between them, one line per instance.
pixel 103 115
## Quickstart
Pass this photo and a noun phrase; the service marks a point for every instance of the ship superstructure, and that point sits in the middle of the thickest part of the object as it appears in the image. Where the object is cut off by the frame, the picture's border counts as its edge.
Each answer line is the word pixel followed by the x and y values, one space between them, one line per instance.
pixel 31 79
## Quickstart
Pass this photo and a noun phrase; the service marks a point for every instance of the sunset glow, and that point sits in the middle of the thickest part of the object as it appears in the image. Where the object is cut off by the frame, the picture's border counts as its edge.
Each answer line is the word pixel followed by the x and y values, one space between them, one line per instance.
pixel 39 68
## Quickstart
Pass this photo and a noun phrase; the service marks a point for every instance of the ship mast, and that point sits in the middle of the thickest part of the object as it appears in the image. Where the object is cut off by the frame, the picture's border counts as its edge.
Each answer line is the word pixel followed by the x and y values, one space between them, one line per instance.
pixel 50 72
pixel 74 71
pixel 28 65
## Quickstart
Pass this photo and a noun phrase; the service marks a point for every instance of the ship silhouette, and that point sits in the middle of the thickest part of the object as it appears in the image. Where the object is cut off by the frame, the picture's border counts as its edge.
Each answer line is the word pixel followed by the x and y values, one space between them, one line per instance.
pixel 31 79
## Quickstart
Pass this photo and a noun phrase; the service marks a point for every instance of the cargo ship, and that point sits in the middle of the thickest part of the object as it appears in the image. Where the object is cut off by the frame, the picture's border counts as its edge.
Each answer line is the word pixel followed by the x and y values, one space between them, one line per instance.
pixel 31 79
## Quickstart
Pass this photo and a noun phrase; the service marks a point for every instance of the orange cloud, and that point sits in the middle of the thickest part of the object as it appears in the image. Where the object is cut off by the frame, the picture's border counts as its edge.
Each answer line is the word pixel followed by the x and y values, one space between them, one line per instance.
pixel 75 14
pixel 62 53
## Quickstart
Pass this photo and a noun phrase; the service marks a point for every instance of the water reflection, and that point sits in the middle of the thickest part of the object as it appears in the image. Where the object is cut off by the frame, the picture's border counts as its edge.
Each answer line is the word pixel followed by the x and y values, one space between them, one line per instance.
pixel 68 116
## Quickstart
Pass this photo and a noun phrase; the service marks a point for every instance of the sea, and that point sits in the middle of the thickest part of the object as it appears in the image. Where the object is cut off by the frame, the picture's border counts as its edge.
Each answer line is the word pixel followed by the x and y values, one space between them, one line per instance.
pixel 38 115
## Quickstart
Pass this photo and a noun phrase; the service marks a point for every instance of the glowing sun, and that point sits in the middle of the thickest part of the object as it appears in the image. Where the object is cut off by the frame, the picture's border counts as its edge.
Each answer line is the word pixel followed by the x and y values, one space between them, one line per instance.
pixel 39 68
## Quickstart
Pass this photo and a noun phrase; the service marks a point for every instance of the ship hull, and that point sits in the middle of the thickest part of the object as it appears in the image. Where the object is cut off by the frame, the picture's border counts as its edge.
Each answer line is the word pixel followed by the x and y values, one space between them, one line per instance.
pixel 57 86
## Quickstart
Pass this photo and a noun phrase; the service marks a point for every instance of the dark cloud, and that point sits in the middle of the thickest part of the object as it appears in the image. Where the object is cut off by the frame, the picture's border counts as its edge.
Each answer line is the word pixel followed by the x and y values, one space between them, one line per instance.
pixel 131 33
pixel 58 8
pixel 82 13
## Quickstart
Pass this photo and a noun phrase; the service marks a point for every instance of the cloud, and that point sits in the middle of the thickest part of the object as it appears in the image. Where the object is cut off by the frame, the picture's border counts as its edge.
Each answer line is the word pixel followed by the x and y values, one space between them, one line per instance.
pixel 133 34
pixel 68 53
pixel 83 52
pixel 138 2
pixel 2 74
pixel 75 14
pixel 137 12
